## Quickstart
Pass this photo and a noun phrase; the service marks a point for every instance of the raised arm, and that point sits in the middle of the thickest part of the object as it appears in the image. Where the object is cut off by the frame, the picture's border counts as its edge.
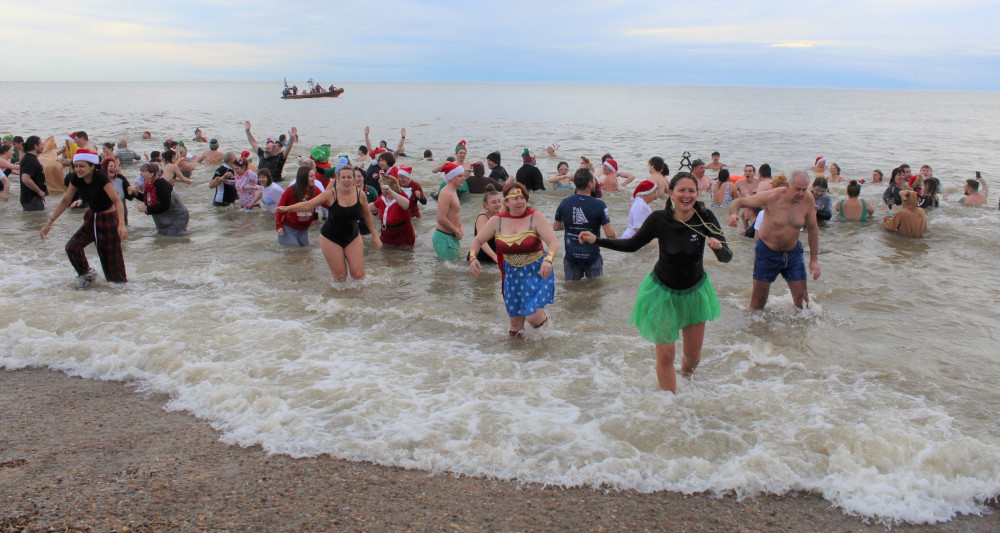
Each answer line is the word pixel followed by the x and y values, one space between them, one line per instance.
pixel 402 141
pixel 982 184
pixel 292 135
pixel 368 141
pixel 253 142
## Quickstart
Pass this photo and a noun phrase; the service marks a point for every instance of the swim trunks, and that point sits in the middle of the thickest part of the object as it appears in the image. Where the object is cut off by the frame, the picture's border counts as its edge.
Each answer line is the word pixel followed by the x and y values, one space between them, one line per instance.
pixel 446 245
pixel 768 264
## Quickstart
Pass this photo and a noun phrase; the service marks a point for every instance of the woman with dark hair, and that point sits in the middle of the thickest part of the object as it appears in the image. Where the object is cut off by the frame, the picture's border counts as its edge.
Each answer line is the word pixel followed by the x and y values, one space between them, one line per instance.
pixel 891 195
pixel 103 223
pixel 562 179
pixel 834 173
pixel 528 283
pixel 340 239
pixel 110 169
pixel 877 176
pixel 492 203
pixel 928 197
pixel 161 201
pixel 658 174
pixel 677 296
pixel 293 228
pixel 246 184
pixel 171 171
pixel 853 207
pixel 719 190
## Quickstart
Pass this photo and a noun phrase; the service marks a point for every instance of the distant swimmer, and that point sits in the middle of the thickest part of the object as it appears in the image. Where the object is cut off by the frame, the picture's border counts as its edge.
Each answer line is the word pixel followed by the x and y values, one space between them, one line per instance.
pixel 611 173
pixel 551 150
pixel 562 178
pixel 126 156
pixel 973 195
pixel 147 135
pixel 819 168
pixel 715 165
pixel 212 156
pixel 198 137
pixel 835 176
pixel 676 298
pixel 778 248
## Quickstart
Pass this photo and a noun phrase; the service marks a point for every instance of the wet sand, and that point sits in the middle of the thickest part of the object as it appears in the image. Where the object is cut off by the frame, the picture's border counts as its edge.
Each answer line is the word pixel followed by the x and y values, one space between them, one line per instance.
pixel 84 455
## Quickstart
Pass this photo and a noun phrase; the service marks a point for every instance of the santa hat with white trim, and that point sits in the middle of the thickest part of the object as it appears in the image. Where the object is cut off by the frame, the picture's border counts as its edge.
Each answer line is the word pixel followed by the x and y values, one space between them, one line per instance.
pixel 452 171
pixel 644 189
pixel 86 155
pixel 612 164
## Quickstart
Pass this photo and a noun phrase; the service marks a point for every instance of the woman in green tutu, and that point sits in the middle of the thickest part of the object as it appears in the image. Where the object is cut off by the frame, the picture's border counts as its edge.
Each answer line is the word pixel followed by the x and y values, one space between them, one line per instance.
pixel 676 297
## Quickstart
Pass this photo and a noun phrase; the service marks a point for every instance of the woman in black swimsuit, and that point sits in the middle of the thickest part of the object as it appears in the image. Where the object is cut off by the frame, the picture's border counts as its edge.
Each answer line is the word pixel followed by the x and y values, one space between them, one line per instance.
pixel 339 236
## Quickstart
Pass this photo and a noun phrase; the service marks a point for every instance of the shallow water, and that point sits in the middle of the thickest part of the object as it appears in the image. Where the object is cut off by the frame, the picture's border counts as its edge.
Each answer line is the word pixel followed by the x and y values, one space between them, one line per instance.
pixel 881 396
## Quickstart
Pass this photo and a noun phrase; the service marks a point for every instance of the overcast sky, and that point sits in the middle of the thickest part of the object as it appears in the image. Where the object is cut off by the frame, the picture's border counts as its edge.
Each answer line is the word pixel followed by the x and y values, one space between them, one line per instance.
pixel 896 44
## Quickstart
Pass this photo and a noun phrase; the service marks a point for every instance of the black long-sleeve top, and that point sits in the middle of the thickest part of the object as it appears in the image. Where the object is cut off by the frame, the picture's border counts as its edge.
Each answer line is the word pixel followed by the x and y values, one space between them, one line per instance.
pixel 163 190
pixel 681 247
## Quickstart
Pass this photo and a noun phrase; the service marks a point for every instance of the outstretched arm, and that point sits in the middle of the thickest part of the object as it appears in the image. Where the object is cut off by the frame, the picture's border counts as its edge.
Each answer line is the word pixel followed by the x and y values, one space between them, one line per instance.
pixel 292 135
pixel 402 140
pixel 982 184
pixel 368 142
pixel 253 142
pixel 308 205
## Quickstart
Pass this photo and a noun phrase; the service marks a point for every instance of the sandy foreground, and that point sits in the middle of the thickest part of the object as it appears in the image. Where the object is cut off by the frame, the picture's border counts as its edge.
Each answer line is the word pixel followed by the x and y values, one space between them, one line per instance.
pixel 80 455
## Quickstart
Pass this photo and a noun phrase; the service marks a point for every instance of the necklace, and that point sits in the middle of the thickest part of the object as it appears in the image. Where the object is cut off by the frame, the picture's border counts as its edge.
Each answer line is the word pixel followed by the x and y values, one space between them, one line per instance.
pixel 711 228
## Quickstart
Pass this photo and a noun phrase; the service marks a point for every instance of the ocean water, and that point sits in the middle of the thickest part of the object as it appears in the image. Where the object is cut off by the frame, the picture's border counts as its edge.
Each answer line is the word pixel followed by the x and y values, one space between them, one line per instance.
pixel 881 397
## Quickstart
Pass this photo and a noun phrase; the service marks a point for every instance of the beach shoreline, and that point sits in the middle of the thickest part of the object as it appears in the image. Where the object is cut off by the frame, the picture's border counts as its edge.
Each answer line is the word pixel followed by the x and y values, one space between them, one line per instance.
pixel 90 455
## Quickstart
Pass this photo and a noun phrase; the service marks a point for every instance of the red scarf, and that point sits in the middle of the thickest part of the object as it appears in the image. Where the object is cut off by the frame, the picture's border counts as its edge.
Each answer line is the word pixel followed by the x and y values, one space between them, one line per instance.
pixel 149 191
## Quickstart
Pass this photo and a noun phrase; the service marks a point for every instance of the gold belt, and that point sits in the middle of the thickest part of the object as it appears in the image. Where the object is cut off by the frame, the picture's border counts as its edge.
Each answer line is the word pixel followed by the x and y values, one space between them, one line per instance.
pixel 520 260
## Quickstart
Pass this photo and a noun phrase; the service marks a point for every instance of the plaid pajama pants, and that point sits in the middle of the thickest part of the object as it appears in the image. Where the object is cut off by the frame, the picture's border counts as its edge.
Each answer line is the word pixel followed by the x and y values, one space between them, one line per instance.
pixel 102 229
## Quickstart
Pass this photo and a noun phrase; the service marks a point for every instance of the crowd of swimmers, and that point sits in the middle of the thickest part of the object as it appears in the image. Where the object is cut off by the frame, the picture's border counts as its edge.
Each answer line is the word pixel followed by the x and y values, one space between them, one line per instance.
pixel 377 196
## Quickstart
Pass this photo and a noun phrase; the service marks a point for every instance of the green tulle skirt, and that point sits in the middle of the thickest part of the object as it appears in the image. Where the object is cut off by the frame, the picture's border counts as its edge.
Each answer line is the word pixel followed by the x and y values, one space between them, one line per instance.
pixel 661 312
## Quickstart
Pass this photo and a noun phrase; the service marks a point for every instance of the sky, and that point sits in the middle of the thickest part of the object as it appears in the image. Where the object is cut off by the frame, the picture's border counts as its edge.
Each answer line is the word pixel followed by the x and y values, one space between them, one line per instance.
pixel 882 44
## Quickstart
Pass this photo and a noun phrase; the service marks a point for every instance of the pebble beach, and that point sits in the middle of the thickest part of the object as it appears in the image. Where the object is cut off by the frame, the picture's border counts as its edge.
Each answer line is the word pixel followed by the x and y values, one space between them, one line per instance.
pixel 86 455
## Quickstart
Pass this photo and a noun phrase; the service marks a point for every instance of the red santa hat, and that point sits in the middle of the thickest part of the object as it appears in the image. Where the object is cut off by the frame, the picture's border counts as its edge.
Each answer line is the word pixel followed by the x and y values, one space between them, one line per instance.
pixel 612 164
pixel 819 160
pixel 404 171
pixel 394 172
pixel 644 189
pixel 376 152
pixel 86 155
pixel 452 171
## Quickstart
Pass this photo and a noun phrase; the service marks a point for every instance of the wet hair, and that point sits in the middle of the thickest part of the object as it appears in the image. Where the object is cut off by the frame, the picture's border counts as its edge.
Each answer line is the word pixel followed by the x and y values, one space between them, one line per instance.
pixel 853 189
pixel 904 166
pixel 265 174
pixel 764 171
pixel 669 208
pixel 152 168
pixel 383 144
pixel 753 168
pixel 931 188
pixel 695 164
pixel 820 182
pixel 561 163
pixel 494 156
pixel 155 154
pixel 491 191
pixel 582 177
pixel 478 169
pixel 168 156
pixel 659 165
pixel 450 159
pixel 511 185
pixel 716 153
pixel 880 173
pixel 109 146
pixel 723 175
pixel 834 165
pixel 363 149
pixel 32 142
pixel 4 148
pixel 389 159
pixel 81 135
pixel 18 139
pixel 282 138
pixel 360 171
pixel 605 157
pixel 973 184
pixel 428 153
pixel 301 185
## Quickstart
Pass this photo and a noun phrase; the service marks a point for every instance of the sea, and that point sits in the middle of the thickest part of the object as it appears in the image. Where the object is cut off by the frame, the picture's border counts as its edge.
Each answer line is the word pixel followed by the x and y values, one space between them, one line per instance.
pixel 881 397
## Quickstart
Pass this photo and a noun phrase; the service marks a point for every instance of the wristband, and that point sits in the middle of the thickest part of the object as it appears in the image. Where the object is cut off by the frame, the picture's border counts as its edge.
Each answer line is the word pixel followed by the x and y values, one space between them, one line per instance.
pixel 549 257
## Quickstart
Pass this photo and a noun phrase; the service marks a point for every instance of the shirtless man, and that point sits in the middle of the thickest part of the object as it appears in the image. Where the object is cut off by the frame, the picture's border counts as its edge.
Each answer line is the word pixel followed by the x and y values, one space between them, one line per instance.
pixel 715 164
pixel 972 194
pixel 449 223
pixel 745 188
pixel 212 156
pixel 779 251
pixel 83 141
pixel 764 178
pixel 698 169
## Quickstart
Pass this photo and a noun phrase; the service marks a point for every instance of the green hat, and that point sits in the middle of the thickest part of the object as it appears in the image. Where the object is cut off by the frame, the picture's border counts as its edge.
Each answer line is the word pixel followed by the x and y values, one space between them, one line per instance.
pixel 320 154
pixel 526 155
pixel 8 137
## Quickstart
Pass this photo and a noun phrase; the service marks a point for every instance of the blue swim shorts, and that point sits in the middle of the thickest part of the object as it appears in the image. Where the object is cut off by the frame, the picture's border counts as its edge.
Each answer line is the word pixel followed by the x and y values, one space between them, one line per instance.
pixel 768 264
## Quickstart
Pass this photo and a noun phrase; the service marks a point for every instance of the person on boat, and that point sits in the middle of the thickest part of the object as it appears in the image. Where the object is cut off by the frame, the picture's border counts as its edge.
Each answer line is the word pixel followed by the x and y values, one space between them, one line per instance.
pixel 562 178
pixel 103 223
pixel 527 245
pixel 340 239
pixel 853 207
pixel 676 298
pixel 272 156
